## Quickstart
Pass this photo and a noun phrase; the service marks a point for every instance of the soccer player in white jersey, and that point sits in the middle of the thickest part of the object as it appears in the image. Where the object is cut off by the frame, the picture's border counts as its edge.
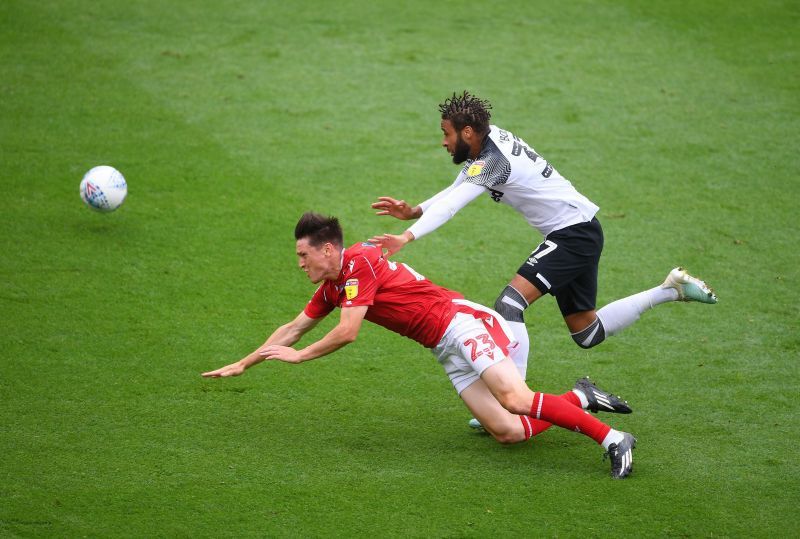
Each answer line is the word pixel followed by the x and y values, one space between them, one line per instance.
pixel 508 169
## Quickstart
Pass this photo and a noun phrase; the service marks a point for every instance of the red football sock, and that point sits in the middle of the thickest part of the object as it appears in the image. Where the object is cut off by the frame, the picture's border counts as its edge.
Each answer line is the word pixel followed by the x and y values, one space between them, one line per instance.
pixel 534 426
pixel 560 411
pixel 572 398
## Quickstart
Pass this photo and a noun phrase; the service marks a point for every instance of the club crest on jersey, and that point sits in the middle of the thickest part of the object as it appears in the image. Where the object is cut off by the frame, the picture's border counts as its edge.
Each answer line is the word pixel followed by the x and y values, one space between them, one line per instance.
pixel 351 288
pixel 476 168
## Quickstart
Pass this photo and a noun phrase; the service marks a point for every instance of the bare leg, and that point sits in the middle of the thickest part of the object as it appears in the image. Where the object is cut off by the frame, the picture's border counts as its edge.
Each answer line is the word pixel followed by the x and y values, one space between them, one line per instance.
pixel 504 383
pixel 504 426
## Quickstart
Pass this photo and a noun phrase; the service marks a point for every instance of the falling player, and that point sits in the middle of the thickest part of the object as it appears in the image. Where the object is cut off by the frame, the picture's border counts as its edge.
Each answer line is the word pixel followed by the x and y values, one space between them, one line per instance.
pixel 472 342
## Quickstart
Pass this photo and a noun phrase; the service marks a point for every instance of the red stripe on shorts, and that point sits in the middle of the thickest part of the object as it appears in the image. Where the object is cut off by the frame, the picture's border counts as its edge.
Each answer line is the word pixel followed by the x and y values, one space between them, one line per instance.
pixel 490 323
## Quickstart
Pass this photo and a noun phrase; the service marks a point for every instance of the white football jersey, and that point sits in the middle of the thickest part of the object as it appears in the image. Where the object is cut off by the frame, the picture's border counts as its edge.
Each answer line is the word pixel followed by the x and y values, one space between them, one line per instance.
pixel 513 173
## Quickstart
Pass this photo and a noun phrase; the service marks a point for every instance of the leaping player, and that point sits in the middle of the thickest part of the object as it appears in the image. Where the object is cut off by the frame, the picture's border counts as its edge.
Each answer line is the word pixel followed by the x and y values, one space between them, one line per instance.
pixel 501 164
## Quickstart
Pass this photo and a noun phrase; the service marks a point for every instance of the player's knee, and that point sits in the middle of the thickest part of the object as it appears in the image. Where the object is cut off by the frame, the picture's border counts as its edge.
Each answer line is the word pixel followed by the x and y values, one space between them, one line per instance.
pixel 583 344
pixel 510 437
pixel 508 431
pixel 510 304
pixel 590 336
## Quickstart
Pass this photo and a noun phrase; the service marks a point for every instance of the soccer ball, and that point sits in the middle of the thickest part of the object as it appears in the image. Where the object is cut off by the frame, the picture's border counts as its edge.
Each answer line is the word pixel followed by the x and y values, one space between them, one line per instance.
pixel 103 189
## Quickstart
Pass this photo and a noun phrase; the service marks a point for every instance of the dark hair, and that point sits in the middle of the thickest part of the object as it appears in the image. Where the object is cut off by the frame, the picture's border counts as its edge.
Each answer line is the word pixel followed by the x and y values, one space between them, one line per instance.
pixel 319 229
pixel 466 109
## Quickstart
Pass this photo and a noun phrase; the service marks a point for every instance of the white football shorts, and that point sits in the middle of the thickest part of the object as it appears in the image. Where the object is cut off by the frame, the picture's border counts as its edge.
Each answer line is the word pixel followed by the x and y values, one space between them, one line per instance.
pixel 476 339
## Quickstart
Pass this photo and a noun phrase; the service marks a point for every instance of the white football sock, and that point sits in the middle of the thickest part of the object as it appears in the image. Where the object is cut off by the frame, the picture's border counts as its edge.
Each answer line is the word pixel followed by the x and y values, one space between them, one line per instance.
pixel 620 314
pixel 613 437
pixel 520 354
pixel 582 397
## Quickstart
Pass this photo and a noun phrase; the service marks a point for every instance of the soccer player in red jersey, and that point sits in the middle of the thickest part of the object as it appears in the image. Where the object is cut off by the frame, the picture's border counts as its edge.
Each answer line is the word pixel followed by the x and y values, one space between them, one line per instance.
pixel 472 342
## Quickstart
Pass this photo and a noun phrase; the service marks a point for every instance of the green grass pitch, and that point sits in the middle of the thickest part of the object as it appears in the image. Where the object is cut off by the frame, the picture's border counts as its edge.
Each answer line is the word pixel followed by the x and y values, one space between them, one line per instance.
pixel 230 119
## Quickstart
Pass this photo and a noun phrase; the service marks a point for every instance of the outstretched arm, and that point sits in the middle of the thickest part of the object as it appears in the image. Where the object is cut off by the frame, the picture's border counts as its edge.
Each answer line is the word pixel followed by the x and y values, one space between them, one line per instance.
pixel 440 211
pixel 399 209
pixel 345 332
pixel 286 335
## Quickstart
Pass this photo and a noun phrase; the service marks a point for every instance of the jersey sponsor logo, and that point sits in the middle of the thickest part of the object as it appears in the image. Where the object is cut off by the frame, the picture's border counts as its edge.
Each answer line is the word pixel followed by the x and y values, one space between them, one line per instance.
pixel 475 168
pixel 496 195
pixel 351 288
pixel 367 244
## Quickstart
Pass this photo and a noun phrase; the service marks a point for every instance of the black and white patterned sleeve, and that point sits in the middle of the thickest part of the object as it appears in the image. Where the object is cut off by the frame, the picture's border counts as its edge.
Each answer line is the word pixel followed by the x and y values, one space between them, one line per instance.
pixel 490 169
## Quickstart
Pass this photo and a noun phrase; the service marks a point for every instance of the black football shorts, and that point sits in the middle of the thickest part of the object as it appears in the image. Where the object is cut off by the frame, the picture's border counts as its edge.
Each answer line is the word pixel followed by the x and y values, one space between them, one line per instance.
pixel 565 265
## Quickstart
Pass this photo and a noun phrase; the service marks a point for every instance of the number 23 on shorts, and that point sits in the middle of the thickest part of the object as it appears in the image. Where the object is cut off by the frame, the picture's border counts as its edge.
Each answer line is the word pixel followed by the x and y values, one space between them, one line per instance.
pixel 485 347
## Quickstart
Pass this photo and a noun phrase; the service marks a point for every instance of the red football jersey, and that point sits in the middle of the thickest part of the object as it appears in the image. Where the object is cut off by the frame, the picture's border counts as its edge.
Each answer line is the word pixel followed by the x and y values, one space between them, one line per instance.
pixel 399 298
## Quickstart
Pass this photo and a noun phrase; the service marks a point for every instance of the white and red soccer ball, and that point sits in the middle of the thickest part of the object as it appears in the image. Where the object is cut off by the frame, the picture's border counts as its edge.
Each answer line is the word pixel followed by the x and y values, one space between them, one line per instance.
pixel 103 189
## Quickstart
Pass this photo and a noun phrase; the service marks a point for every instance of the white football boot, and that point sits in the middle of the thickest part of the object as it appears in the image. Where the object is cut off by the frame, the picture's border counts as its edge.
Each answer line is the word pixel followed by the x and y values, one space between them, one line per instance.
pixel 475 424
pixel 689 288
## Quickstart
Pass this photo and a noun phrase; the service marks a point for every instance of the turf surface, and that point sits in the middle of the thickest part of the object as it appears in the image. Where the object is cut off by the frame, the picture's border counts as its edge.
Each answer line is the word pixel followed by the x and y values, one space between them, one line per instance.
pixel 230 119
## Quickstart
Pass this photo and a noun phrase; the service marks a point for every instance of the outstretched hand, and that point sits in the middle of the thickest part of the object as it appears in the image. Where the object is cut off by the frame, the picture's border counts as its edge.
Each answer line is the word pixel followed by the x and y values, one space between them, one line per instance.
pixel 234 369
pixel 281 353
pixel 398 209
pixel 391 242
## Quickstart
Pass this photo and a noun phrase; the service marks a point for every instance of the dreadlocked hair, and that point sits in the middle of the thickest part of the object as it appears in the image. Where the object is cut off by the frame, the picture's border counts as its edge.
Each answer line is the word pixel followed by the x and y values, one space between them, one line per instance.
pixel 467 110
